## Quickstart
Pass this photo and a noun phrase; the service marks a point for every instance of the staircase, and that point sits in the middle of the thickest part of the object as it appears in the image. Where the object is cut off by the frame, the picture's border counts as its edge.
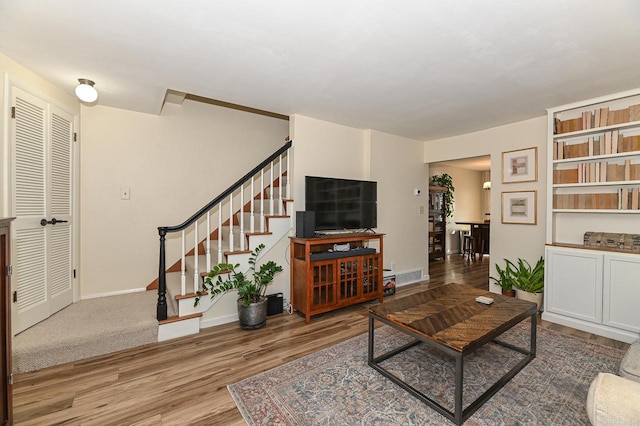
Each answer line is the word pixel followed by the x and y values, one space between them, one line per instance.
pixel 255 210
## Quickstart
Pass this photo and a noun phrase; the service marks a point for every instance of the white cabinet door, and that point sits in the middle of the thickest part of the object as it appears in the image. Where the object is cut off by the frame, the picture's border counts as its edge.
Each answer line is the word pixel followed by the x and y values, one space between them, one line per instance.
pixel 573 283
pixel 622 291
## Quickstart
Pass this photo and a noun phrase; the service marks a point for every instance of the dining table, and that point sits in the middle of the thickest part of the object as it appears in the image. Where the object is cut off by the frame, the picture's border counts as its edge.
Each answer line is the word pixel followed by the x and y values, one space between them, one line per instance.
pixel 480 232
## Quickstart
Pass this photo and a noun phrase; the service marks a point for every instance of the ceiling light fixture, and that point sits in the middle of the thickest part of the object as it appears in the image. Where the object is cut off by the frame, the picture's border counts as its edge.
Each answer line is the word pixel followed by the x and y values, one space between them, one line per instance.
pixel 85 91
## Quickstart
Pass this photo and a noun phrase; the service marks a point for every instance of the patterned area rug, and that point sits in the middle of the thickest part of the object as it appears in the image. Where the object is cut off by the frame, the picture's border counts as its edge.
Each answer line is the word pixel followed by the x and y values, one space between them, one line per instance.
pixel 335 386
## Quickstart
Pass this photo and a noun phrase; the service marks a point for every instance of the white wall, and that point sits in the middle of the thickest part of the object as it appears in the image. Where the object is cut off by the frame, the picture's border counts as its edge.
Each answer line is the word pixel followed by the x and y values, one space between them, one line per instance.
pixel 397 167
pixel 173 164
pixel 507 240
pixel 328 149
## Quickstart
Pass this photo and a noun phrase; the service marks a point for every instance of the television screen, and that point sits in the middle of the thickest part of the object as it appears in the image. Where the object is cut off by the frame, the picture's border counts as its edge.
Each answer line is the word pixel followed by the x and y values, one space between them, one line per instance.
pixel 341 203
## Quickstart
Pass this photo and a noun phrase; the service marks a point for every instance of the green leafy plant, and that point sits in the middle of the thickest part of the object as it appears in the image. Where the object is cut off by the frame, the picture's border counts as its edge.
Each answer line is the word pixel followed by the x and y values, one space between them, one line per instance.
pixel 251 286
pixel 506 277
pixel 446 181
pixel 521 275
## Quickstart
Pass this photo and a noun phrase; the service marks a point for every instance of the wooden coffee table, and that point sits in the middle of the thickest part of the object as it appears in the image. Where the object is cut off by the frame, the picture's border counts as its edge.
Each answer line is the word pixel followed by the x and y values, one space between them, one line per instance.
pixel 449 319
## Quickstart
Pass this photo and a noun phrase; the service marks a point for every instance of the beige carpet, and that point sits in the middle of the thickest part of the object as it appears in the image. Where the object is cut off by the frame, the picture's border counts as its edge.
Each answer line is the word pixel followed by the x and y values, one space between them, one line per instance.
pixel 86 329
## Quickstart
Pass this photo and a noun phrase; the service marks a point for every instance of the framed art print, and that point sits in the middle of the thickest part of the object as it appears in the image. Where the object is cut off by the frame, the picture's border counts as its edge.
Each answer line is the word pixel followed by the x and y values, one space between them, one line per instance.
pixel 519 207
pixel 520 165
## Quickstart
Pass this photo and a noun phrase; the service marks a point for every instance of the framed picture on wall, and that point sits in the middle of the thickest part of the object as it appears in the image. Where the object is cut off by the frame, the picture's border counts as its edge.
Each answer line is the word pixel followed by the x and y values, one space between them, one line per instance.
pixel 520 165
pixel 519 207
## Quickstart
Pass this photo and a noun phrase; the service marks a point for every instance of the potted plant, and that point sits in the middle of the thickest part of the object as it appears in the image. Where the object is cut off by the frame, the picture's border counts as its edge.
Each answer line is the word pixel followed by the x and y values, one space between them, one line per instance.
pixel 446 181
pixel 251 287
pixel 506 279
pixel 529 282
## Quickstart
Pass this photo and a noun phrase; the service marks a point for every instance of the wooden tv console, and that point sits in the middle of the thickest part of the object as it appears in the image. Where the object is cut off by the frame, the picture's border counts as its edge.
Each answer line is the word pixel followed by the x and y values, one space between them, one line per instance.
pixel 324 279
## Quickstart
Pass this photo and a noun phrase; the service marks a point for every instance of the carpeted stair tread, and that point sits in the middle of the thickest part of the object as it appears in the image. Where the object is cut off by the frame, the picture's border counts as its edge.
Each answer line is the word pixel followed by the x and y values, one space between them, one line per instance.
pixel 86 329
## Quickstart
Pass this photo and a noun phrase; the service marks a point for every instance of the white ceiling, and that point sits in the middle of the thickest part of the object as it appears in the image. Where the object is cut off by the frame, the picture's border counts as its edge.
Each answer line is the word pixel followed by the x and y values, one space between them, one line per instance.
pixel 423 69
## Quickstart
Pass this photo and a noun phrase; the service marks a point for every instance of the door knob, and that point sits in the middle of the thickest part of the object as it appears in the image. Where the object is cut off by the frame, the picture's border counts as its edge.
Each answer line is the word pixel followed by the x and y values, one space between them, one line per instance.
pixel 53 221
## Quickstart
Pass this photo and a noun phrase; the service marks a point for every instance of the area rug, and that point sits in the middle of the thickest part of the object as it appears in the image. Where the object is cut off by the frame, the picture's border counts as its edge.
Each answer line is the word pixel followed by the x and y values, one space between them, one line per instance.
pixel 335 386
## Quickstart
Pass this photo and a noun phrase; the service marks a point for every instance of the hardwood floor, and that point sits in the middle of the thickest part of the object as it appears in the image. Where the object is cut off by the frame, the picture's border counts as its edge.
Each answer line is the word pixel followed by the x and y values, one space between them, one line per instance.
pixel 183 381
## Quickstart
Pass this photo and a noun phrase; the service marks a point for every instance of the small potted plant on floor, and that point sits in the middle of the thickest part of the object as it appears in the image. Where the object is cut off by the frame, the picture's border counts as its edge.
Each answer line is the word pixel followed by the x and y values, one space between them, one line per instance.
pixel 505 279
pixel 251 287
pixel 529 282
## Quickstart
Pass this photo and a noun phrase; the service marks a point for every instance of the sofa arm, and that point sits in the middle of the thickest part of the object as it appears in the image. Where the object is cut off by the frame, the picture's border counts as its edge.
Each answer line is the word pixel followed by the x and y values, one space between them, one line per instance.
pixel 613 400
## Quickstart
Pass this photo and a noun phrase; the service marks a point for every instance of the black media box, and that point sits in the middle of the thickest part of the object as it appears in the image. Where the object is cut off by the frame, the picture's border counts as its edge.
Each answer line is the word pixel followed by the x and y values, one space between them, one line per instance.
pixel 274 304
pixel 305 224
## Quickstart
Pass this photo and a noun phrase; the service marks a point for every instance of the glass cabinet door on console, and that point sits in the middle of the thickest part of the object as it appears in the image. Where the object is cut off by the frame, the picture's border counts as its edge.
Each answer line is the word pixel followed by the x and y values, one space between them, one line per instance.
pixel 348 280
pixel 324 283
pixel 370 274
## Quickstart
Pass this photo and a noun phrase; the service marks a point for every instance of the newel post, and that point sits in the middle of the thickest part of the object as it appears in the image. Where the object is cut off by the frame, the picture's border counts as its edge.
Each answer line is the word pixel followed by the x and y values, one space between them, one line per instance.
pixel 162 280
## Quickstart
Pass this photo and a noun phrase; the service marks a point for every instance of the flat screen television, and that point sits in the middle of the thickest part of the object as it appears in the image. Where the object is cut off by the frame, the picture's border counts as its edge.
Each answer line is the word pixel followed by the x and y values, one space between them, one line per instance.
pixel 341 203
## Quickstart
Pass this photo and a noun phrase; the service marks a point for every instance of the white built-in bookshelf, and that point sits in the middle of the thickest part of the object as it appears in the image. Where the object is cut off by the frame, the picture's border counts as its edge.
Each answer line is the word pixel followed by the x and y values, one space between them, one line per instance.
pixel 594 167
pixel 593 186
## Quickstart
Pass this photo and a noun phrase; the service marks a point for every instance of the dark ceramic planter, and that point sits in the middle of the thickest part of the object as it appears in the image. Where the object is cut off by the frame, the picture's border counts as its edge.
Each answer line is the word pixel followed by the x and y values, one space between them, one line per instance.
pixel 253 316
pixel 510 293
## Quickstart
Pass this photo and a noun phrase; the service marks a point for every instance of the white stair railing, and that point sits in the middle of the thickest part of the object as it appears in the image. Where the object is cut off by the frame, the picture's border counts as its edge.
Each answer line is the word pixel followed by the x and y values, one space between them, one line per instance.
pixel 224 202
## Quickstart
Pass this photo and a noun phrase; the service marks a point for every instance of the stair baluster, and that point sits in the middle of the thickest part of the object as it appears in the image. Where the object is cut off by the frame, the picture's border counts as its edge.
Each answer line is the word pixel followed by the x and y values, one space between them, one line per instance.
pixel 262 200
pixel 242 234
pixel 183 264
pixel 252 220
pixel 196 258
pixel 288 177
pixel 271 189
pixel 220 234
pixel 208 243
pixel 280 203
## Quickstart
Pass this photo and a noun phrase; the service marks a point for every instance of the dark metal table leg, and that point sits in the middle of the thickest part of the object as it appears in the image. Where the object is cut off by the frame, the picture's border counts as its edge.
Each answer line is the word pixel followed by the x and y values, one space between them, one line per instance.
pixel 370 350
pixel 459 375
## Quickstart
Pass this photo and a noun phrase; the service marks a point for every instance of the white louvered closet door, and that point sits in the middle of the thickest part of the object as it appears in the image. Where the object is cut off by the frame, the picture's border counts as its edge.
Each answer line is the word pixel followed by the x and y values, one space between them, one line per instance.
pixel 41 145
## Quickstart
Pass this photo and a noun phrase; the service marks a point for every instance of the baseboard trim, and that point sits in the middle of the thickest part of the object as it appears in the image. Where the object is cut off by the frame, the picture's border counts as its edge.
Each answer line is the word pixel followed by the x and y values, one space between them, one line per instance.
pixel 113 293
pixel 212 322
pixel 599 329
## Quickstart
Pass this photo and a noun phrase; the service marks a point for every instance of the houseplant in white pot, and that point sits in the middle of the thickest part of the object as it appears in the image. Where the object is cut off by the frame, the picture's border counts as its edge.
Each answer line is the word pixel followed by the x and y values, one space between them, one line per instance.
pixel 251 288
pixel 528 281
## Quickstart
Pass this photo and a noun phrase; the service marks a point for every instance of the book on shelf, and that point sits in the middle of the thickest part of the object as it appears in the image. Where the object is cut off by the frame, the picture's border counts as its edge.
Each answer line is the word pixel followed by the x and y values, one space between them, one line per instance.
pixel 624 199
pixel 604 116
pixel 630 144
pixel 635 193
pixel 615 172
pixel 607 201
pixel 601 145
pixel 603 171
pixel 618 117
pixel 614 142
pixel 587 120
pixel 565 176
pixel 634 113
pixel 627 169
pixel 634 171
